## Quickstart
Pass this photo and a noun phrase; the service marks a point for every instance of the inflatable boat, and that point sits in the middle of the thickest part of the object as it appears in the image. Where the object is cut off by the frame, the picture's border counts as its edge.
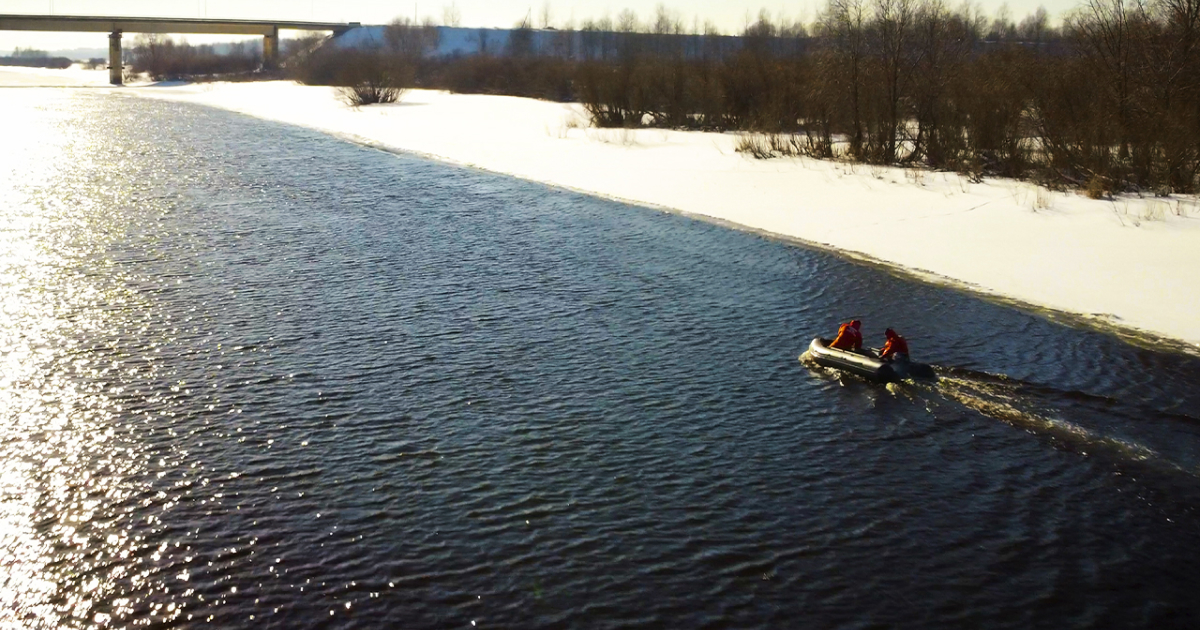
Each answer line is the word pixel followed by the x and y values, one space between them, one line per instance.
pixel 864 364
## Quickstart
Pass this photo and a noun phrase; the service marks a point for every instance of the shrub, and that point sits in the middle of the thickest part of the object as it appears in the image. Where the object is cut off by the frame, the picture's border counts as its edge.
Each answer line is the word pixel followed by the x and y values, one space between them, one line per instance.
pixel 756 144
pixel 367 78
pixel 369 94
pixel 363 77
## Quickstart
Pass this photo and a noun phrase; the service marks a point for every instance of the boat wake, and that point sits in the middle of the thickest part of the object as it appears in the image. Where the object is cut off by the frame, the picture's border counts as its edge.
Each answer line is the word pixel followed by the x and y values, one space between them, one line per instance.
pixel 1123 432
pixel 1068 419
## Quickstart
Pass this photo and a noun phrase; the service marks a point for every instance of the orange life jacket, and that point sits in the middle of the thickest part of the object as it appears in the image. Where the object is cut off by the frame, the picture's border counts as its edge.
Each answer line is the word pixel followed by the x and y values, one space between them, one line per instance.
pixel 895 345
pixel 848 338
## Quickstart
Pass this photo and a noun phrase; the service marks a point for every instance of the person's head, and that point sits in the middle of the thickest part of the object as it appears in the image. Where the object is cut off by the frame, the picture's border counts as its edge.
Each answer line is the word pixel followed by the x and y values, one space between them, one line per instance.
pixel 855 324
pixel 890 334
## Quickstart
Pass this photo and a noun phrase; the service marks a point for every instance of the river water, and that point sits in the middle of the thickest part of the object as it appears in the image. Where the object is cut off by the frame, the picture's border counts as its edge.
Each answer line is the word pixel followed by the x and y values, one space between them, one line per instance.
pixel 257 376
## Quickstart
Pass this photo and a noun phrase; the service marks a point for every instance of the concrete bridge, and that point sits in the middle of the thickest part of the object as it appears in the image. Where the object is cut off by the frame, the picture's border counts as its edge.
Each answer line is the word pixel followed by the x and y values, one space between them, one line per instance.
pixel 115 26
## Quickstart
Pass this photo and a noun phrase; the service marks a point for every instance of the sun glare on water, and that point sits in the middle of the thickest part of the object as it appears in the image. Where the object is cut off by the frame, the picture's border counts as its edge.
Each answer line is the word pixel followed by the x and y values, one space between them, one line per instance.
pixel 66 473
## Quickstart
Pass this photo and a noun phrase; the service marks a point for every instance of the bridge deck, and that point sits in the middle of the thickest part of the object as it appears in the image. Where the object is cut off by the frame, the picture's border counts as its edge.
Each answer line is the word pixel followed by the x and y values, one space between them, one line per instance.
pixel 161 25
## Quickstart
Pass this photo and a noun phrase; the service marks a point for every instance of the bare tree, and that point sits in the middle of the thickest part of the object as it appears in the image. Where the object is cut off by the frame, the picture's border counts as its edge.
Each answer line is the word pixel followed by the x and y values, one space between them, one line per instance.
pixel 843 27
pixel 627 22
pixel 1034 27
pixel 943 44
pixel 1002 28
pixel 409 40
pixel 897 57
pixel 1106 29
pixel 451 16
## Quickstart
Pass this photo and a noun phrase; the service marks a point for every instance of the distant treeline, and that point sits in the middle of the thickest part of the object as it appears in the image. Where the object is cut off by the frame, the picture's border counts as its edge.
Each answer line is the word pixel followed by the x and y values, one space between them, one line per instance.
pixel 33 58
pixel 163 58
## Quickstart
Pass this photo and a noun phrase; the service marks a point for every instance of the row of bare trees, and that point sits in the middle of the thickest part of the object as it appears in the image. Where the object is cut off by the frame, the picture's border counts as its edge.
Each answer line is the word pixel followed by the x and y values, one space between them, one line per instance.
pixel 403 55
pixel 1108 102
pixel 1127 110
pixel 162 57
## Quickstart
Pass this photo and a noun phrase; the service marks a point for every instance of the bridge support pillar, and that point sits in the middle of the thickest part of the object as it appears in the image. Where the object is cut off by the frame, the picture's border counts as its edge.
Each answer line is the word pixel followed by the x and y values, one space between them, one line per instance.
pixel 271 49
pixel 114 58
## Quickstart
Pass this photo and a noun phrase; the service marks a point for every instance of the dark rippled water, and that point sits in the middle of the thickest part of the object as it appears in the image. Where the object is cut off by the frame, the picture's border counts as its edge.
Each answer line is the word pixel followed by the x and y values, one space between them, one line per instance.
pixel 255 376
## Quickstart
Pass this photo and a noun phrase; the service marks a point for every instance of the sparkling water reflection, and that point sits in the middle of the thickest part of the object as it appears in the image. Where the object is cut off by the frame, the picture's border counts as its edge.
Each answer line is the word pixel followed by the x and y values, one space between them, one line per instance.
pixel 69 473
pixel 256 375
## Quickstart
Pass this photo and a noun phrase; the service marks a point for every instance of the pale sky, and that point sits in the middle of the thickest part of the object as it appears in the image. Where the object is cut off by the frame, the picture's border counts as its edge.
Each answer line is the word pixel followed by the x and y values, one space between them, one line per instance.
pixel 729 15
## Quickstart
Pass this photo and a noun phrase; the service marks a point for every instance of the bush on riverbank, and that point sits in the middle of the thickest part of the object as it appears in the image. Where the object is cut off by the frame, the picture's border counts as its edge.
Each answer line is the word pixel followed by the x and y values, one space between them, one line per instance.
pixel 380 74
pixel 368 78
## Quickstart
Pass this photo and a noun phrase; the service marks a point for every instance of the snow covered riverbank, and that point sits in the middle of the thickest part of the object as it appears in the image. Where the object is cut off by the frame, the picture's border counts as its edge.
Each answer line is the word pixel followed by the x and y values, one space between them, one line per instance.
pixel 1128 263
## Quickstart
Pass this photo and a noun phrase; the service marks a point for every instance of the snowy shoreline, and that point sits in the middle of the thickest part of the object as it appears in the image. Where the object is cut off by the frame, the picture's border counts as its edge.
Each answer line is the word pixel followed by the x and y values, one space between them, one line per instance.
pixel 1126 265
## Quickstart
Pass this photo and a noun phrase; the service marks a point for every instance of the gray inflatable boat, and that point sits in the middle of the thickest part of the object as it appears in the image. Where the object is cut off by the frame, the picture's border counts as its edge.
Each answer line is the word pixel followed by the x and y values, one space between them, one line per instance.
pixel 866 365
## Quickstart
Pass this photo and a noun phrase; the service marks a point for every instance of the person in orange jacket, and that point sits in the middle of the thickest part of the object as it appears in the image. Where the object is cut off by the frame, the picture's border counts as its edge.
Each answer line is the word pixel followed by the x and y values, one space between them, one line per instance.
pixel 849 337
pixel 895 345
